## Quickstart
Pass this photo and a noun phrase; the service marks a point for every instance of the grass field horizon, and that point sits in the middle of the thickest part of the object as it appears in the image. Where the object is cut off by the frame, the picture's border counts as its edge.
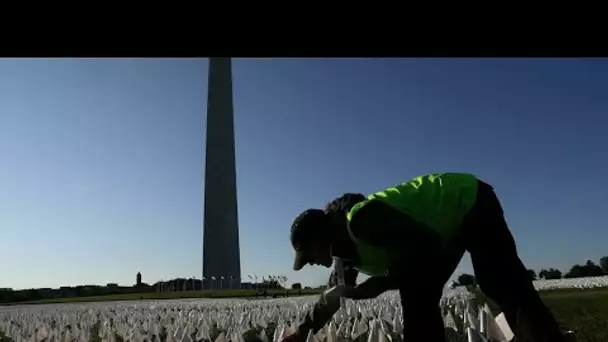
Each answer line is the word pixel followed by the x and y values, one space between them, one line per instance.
pixel 218 294
pixel 253 294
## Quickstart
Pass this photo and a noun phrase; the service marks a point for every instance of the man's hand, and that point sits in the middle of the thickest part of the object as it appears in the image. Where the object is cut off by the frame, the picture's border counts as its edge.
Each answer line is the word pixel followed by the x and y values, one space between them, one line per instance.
pixel 325 307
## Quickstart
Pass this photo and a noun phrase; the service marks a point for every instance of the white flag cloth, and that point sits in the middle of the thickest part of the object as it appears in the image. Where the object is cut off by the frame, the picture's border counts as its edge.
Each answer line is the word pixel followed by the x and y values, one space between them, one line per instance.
pixel 501 330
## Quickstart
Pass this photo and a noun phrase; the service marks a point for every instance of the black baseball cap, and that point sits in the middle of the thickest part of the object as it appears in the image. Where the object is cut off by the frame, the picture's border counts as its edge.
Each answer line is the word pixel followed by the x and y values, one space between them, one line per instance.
pixel 308 226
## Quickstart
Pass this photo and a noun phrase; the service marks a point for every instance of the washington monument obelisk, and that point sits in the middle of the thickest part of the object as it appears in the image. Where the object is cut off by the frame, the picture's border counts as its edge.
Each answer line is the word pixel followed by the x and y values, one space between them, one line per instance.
pixel 221 254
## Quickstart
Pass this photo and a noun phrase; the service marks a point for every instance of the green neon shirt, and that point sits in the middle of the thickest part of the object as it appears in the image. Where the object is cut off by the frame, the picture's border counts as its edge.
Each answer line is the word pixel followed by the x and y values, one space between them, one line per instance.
pixel 439 201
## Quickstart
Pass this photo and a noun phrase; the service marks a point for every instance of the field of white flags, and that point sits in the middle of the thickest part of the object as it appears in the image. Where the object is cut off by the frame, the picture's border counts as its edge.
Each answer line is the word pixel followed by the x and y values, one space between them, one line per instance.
pixel 249 320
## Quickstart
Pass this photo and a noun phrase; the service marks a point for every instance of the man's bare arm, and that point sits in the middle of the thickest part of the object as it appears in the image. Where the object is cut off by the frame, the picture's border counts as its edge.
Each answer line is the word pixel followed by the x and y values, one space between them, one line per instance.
pixel 325 307
pixel 371 288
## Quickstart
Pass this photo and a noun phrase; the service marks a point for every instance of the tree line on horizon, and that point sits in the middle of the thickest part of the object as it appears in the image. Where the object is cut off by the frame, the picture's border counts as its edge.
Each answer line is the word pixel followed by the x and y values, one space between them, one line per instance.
pixel 589 269
pixel 8 295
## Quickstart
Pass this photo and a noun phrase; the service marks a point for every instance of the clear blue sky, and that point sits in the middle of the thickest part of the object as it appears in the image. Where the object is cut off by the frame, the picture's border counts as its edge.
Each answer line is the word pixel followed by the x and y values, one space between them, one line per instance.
pixel 102 161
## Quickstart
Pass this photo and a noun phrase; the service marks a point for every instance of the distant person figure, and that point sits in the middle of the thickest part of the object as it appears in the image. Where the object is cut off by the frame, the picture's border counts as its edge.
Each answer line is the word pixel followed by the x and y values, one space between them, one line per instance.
pixel 410 238
pixel 350 276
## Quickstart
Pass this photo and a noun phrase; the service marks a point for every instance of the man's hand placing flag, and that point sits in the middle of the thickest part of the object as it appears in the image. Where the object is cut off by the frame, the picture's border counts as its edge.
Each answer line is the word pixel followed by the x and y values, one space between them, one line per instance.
pixel 325 307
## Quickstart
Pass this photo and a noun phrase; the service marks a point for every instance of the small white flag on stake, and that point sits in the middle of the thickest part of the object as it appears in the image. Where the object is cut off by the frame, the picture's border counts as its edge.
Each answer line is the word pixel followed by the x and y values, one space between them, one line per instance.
pixel 500 328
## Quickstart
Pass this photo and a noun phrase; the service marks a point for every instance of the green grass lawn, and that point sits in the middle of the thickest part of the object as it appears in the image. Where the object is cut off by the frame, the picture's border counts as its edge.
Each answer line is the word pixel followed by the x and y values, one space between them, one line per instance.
pixel 583 311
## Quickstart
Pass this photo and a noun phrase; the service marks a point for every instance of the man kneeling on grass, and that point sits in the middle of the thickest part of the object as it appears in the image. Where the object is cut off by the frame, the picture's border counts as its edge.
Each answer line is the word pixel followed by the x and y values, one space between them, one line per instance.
pixel 421 228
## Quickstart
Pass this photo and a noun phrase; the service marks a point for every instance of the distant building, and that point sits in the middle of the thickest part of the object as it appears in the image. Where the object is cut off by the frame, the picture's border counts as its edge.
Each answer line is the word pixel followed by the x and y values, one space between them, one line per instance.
pixel 138 279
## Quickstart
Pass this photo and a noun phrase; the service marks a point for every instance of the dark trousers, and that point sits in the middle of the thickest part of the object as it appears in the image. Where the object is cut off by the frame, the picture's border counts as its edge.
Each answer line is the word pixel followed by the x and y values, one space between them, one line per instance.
pixel 500 273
